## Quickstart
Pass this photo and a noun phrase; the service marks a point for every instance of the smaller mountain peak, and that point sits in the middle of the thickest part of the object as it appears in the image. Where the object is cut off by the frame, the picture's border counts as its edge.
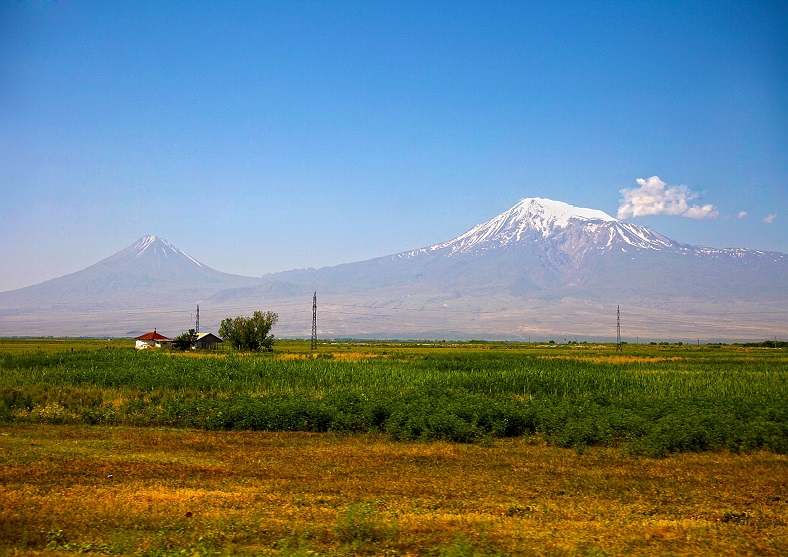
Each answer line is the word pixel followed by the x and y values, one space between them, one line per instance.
pixel 146 241
pixel 156 246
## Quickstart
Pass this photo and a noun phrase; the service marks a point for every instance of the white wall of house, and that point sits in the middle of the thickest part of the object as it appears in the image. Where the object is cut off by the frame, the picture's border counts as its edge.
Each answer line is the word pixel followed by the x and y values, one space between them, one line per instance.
pixel 145 344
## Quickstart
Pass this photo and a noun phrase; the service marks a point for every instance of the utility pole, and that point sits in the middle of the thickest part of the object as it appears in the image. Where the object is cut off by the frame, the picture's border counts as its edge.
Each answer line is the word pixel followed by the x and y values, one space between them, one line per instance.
pixel 618 329
pixel 314 322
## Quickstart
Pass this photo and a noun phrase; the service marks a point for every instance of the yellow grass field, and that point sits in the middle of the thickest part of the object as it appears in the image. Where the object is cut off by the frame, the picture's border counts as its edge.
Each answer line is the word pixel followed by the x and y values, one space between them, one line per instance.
pixel 68 490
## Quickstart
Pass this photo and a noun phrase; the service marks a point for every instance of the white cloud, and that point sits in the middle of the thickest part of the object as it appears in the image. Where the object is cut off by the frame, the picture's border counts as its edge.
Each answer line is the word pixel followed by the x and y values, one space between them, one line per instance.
pixel 655 197
pixel 743 214
pixel 770 218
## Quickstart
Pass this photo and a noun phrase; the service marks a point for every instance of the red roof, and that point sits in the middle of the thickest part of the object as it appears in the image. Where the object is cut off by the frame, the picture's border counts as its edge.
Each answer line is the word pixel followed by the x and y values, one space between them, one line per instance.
pixel 152 336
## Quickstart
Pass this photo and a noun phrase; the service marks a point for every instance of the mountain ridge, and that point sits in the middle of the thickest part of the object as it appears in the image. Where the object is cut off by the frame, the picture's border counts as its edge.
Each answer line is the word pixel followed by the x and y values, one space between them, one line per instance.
pixel 573 231
pixel 542 261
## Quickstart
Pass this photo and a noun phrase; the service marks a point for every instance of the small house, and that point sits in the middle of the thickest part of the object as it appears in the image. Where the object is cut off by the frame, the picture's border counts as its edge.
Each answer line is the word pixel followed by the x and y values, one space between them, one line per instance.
pixel 207 341
pixel 151 340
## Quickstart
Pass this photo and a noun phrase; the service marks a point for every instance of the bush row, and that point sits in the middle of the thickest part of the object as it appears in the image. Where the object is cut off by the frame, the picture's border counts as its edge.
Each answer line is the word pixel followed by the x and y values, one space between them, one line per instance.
pixel 649 427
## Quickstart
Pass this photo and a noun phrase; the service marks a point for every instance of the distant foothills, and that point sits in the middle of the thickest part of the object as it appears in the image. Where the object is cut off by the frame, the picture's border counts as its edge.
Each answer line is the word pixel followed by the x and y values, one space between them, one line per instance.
pixel 541 270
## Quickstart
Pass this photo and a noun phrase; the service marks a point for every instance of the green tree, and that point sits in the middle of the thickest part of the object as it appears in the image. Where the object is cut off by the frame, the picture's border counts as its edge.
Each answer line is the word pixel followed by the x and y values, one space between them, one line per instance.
pixel 250 333
pixel 185 341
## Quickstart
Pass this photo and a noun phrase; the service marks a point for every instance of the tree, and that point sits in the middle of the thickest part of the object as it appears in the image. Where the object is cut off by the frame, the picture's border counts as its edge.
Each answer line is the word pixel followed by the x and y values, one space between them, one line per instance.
pixel 250 333
pixel 185 341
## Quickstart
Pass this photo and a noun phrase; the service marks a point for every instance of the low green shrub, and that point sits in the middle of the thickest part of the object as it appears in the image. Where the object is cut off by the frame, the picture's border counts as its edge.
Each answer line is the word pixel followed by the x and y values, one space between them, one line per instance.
pixel 362 524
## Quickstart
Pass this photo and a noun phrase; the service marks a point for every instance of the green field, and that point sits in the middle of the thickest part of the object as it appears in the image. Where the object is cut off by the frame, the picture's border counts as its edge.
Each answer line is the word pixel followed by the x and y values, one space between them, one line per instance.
pixel 402 449
pixel 650 400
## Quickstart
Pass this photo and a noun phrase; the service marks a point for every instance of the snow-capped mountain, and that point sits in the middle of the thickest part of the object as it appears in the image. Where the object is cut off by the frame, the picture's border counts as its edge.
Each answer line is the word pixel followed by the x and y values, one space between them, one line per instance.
pixel 543 266
pixel 563 231
pixel 574 230
pixel 543 261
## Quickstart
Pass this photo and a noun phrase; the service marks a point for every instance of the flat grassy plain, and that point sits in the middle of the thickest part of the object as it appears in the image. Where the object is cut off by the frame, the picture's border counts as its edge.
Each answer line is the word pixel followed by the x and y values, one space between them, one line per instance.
pixel 393 449
pixel 652 400
pixel 67 490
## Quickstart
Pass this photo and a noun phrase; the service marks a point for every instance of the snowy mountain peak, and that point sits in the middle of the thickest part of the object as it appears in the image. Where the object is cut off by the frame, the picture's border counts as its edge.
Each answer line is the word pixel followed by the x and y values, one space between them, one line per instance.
pixel 153 242
pixel 530 218
pixel 146 241
pixel 156 247
pixel 558 227
pixel 555 213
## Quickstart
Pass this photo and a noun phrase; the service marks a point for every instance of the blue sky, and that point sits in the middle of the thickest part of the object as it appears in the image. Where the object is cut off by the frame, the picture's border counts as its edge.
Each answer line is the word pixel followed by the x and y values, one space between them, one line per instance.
pixel 264 136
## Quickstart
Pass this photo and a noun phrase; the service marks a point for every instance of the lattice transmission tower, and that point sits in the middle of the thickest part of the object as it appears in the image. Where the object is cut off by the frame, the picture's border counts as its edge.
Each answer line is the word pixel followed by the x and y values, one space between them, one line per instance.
pixel 197 321
pixel 618 329
pixel 314 322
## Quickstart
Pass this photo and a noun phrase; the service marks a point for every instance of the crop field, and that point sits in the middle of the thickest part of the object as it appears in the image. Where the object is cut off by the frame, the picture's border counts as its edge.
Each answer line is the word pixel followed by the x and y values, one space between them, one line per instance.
pixel 393 449
pixel 651 400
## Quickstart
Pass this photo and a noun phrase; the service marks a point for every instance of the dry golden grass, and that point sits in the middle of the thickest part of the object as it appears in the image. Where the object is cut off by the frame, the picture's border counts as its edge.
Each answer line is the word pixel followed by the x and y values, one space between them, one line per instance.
pixel 164 492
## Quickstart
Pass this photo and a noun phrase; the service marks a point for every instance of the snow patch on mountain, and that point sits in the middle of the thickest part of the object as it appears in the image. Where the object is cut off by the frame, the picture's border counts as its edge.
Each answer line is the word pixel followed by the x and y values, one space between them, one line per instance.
pixel 543 216
pixel 572 230
pixel 556 213
pixel 159 246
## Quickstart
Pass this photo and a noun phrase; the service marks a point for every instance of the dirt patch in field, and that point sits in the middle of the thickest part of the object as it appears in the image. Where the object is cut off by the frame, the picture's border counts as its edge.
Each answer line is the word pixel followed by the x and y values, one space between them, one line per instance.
pixel 616 359
pixel 345 356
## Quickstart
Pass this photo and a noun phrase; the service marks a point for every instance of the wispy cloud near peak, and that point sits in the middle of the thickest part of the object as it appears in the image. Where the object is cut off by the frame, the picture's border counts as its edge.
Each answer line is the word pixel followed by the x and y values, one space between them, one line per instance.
pixel 655 197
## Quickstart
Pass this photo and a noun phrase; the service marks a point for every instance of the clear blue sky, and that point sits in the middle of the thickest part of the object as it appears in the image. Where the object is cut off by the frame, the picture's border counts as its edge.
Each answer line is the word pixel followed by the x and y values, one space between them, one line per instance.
pixel 264 136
